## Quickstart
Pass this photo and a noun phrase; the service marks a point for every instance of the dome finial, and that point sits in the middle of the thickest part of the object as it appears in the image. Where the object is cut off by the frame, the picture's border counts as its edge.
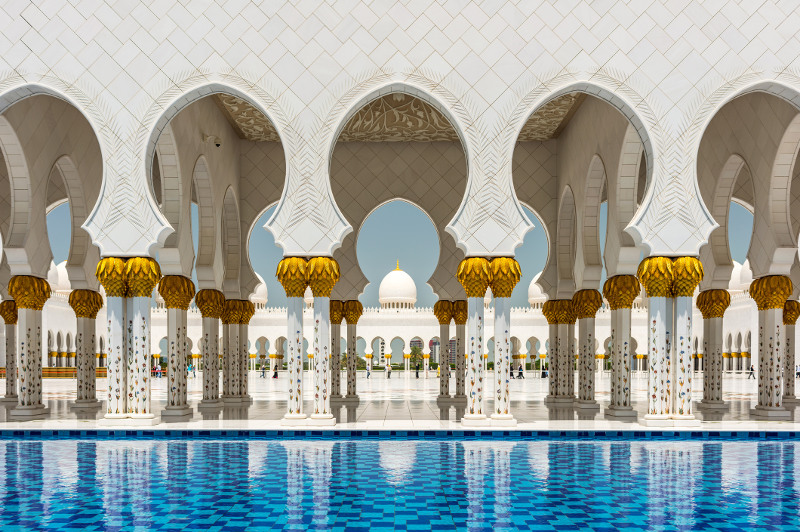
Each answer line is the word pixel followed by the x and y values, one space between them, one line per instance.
pixel 398 265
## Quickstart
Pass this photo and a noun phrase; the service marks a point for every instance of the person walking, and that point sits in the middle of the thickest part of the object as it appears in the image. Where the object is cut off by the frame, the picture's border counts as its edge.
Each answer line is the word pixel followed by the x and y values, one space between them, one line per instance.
pixel 418 370
pixel 263 371
pixel 388 371
pixel 369 371
pixel 752 372
pixel 520 375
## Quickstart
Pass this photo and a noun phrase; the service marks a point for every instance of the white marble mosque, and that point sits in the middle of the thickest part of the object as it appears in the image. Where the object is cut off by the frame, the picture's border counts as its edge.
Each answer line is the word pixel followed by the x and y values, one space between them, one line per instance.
pixel 133 113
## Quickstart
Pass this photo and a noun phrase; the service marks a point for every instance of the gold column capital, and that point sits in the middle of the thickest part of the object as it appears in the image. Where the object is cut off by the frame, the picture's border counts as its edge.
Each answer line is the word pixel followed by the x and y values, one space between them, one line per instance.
pixel 29 292
pixel 248 309
pixel 460 312
pixel 352 311
pixel 177 291
pixel 770 292
pixel 443 310
pixel 142 275
pixel 558 311
pixel 474 274
pixel 585 303
pixel 656 275
pixel 110 272
pixel 713 303
pixel 231 311
pixel 336 311
pixel 687 272
pixel 85 303
pixel 621 290
pixel 210 302
pixel 323 274
pixel 8 311
pixel 505 274
pixel 791 311
pixel 292 273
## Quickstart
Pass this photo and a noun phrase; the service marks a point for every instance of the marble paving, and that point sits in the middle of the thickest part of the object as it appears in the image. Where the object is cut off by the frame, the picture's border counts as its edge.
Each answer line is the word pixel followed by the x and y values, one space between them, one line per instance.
pixel 406 403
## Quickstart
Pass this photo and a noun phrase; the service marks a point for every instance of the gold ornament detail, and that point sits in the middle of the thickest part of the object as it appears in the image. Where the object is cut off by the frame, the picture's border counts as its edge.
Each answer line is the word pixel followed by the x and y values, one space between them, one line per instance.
pixel 210 302
pixel 248 309
pixel 564 311
pixel 110 272
pixel 337 311
pixel 474 274
pixel 323 274
pixel 687 272
pixel 353 310
pixel 460 312
pixel 292 273
pixel 656 276
pixel 85 303
pixel 620 291
pixel 142 275
pixel 177 291
pixel 29 292
pixel 585 303
pixel 443 310
pixel 505 274
pixel 549 311
pixel 771 291
pixel 8 311
pixel 231 311
pixel 791 311
pixel 713 303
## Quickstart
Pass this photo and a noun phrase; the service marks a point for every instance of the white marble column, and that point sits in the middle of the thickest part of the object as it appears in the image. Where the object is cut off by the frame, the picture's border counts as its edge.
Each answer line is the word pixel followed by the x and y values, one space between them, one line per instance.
pixel 177 292
pixel 8 311
pixel 116 357
pixel 322 356
pixel 770 294
pixel 474 384
pixel 294 345
pixel 336 316
pixel 585 304
pixel 791 311
pixel 234 356
pixel 688 272
pixel 30 294
pixel 502 360
pixel 461 358
pixel 443 310
pixel 211 304
pixel 86 361
pixel 712 304
pixel 140 361
pixel 244 363
pixel 566 362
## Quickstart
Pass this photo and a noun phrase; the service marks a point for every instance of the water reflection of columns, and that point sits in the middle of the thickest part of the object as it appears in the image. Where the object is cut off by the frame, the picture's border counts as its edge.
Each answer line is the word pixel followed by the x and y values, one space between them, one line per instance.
pixel 294 483
pixel 318 456
pixel 476 458
pixel 502 485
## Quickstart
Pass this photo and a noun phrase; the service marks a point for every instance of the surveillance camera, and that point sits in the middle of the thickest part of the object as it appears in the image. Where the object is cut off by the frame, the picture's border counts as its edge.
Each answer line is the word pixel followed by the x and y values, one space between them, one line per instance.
pixel 211 138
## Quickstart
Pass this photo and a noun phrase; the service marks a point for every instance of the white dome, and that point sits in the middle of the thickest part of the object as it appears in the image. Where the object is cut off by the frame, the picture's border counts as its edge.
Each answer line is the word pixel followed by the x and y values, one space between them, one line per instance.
pixel 397 287
pixel 260 294
pixel 58 278
pixel 534 292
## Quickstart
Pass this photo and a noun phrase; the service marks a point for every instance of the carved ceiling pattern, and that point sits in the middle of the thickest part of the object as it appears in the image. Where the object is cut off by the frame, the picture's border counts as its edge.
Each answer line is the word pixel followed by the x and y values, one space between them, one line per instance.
pixel 248 122
pixel 550 119
pixel 398 118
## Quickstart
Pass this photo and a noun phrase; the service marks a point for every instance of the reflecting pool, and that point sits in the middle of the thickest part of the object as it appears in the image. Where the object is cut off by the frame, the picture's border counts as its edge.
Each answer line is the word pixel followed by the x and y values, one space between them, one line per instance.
pixel 398 484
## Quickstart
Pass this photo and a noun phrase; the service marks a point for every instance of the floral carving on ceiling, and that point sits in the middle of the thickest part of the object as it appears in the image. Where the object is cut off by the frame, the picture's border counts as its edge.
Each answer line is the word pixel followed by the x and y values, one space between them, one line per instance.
pixel 550 119
pixel 248 122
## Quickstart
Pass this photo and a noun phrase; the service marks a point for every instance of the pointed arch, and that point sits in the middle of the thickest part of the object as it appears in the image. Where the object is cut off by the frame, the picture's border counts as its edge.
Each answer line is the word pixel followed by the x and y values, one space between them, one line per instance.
pixel 207 253
pixel 566 244
pixel 232 246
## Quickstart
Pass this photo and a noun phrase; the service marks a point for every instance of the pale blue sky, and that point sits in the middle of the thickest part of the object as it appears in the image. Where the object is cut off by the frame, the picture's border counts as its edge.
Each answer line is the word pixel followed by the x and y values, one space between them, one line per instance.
pixel 397 231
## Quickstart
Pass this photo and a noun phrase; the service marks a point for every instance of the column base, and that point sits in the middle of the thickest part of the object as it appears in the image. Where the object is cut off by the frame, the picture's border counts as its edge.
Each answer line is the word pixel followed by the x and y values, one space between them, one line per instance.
pixel 231 400
pixel 475 420
pixel 790 399
pixel 10 399
pixel 127 421
pixel 770 412
pixel 294 420
pixel 348 400
pixel 585 404
pixel 558 400
pixel 651 420
pixel 209 404
pixel 23 413
pixel 713 405
pixel 176 413
pixel 325 420
pixel 620 411
pixel 460 400
pixel 85 404
pixel 503 420
pixel 336 396
pixel 246 399
pixel 446 401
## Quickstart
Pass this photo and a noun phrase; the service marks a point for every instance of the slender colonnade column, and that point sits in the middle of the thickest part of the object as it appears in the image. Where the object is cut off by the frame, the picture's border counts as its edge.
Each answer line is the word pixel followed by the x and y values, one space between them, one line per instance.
pixel 549 311
pixel 293 276
pixel 712 304
pixel 688 272
pixel 770 294
pixel 620 291
pixel 30 293
pixel 247 311
pixel 177 292
pixel 336 315
pixel 111 274
pixel 323 274
pixel 86 304
pixel 505 274
pixel 460 315
pixel 474 274
pixel 565 343
pixel 791 311
pixel 443 310
pixel 585 303
pixel 8 311
pixel 231 315
pixel 211 304
pixel 352 312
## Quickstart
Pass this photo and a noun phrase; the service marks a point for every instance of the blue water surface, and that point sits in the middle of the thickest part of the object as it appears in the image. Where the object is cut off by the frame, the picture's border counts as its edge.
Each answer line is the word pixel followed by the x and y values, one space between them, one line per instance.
pixel 402 484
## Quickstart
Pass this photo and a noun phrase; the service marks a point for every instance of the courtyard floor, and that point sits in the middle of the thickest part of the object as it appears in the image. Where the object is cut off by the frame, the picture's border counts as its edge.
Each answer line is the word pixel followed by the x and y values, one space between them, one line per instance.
pixel 406 403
